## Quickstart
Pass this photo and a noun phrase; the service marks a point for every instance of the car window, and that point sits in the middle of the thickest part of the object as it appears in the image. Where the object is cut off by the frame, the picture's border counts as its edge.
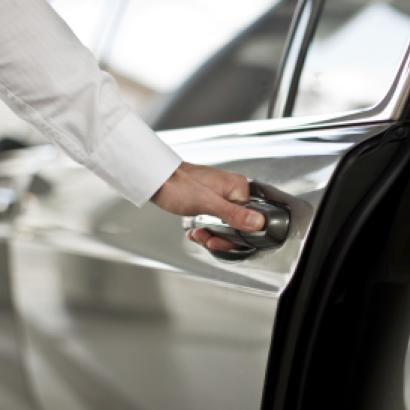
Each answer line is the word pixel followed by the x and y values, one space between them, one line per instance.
pixel 235 83
pixel 179 63
pixel 186 62
pixel 354 55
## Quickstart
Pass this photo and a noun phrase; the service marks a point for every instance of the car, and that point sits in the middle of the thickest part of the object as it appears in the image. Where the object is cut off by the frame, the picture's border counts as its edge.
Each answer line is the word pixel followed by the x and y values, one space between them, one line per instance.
pixel 106 306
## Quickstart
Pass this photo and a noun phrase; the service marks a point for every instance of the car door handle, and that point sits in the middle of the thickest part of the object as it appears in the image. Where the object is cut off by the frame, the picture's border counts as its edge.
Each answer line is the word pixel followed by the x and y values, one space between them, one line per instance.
pixel 273 234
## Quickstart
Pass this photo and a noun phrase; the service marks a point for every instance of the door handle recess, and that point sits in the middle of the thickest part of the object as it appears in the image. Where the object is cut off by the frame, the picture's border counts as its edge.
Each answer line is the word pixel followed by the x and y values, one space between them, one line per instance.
pixel 273 234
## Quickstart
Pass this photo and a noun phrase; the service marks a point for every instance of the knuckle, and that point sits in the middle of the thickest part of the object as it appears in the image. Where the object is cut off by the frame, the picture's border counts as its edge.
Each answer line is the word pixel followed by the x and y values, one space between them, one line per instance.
pixel 246 187
pixel 239 188
pixel 243 184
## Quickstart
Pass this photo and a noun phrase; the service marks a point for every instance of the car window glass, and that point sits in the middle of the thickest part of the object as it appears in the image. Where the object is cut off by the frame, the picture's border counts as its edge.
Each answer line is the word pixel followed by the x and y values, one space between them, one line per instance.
pixel 185 63
pixel 180 63
pixel 354 56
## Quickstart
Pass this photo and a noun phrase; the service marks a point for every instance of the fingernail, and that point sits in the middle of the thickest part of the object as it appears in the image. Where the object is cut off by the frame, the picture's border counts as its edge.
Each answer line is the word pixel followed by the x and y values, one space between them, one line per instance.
pixel 255 220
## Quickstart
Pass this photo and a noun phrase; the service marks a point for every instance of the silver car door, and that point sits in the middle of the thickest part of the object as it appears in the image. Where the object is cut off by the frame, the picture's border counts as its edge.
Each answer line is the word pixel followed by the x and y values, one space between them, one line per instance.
pixel 121 311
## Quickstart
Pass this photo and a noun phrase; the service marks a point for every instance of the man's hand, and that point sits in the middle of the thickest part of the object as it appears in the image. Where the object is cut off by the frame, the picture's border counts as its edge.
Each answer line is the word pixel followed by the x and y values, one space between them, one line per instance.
pixel 195 189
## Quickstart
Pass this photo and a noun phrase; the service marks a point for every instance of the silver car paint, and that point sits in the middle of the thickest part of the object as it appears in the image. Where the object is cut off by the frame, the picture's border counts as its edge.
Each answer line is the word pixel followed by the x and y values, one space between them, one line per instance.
pixel 120 310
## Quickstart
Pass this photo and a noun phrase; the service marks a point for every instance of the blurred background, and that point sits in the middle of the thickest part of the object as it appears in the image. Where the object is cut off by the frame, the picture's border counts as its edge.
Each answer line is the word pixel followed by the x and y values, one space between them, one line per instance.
pixel 164 53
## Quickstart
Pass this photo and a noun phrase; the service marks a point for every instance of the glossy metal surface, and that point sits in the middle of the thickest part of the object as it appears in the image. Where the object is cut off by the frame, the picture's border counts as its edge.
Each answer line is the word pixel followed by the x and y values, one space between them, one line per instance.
pixel 14 387
pixel 392 106
pixel 121 311
pixel 273 234
pixel 15 391
pixel 15 176
pixel 295 42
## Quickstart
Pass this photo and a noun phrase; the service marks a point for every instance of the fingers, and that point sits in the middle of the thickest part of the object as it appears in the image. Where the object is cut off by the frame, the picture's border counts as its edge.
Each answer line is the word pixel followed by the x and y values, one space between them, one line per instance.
pixel 202 190
pixel 232 186
pixel 219 244
pixel 200 236
pixel 237 216
pixel 240 189
pixel 204 238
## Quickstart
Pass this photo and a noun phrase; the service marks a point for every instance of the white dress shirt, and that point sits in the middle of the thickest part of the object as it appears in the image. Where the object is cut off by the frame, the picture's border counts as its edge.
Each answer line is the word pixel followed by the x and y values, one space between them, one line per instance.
pixel 51 80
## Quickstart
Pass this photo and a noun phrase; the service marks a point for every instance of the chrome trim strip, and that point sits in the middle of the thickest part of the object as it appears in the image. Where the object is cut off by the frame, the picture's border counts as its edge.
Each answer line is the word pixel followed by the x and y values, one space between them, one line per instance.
pixel 306 32
pixel 394 103
pixel 391 107
pixel 279 91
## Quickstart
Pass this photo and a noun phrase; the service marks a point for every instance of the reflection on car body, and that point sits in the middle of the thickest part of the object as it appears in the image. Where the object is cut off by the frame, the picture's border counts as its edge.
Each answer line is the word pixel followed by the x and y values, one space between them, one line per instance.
pixel 118 310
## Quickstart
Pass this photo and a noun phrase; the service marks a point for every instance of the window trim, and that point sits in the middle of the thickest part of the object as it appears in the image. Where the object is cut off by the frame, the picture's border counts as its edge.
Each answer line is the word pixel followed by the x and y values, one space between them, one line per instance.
pixel 392 107
pixel 301 33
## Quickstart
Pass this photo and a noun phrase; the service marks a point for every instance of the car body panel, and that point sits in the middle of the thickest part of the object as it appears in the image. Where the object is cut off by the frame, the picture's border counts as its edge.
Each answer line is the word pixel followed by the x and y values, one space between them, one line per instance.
pixel 15 175
pixel 116 298
pixel 14 384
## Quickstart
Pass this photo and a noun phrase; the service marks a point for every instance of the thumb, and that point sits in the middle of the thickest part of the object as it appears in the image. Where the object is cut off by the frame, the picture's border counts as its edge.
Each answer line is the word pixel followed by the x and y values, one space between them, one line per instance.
pixel 237 216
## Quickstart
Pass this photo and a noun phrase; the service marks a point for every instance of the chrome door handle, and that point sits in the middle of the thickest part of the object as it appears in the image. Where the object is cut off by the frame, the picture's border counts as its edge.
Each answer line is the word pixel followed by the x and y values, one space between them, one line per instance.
pixel 273 234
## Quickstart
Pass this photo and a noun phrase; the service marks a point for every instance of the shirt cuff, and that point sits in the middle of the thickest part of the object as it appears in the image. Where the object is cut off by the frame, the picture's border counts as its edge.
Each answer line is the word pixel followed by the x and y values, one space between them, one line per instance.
pixel 134 160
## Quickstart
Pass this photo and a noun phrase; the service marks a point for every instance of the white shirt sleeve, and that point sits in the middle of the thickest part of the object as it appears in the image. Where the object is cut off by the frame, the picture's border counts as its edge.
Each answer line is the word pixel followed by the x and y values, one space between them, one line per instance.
pixel 51 80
